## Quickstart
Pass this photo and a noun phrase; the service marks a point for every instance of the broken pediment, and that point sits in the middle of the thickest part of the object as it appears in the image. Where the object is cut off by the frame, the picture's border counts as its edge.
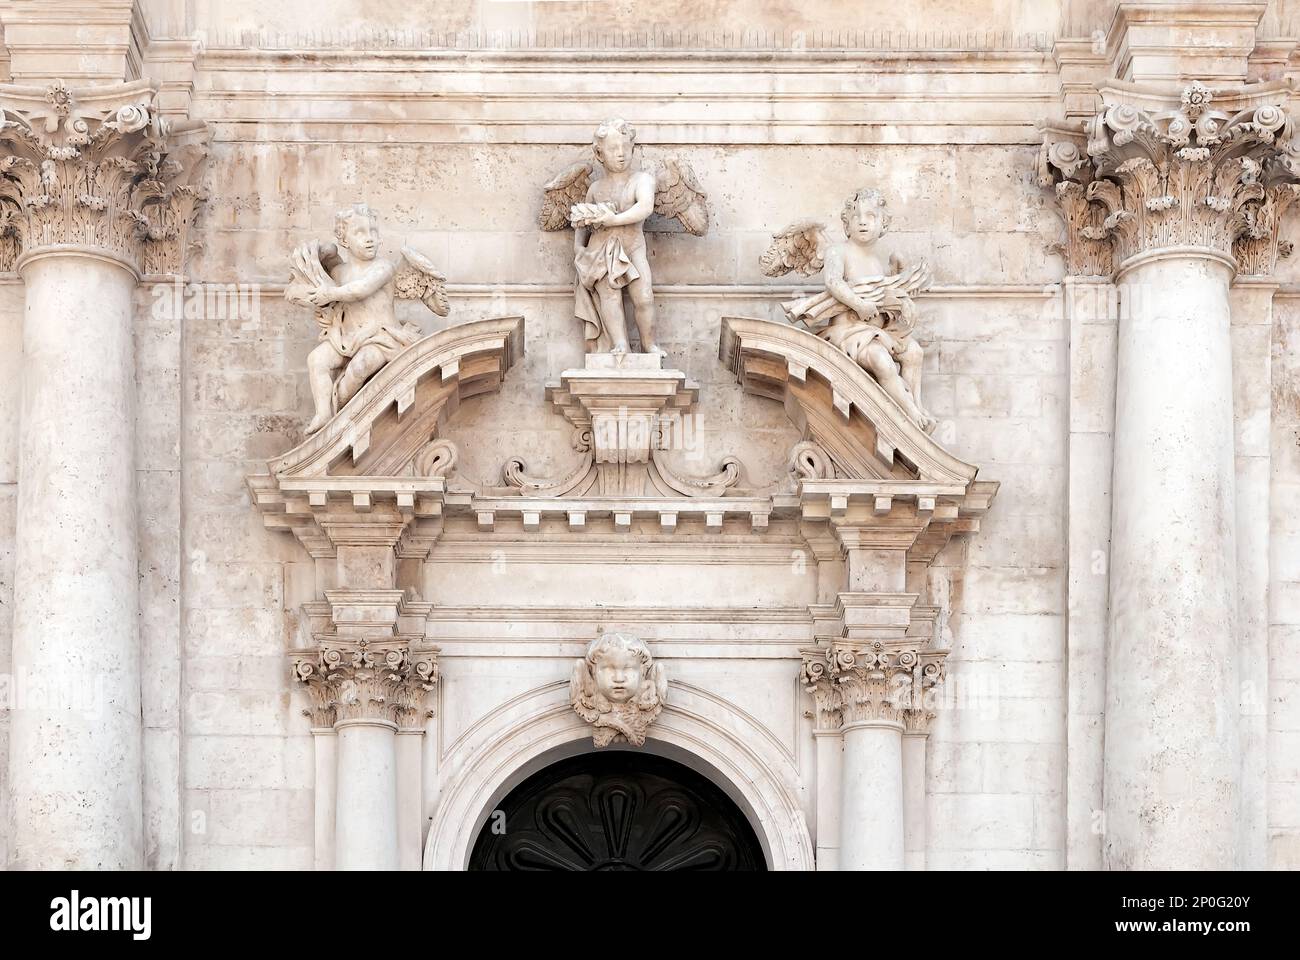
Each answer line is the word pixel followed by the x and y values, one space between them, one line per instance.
pixel 382 447
pixel 840 406
pixel 862 459
pixel 859 459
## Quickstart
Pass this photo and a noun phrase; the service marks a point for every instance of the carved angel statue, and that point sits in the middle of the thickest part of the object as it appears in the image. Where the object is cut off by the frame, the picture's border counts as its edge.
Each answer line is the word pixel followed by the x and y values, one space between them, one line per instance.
pixel 352 294
pixel 866 309
pixel 608 216
pixel 618 688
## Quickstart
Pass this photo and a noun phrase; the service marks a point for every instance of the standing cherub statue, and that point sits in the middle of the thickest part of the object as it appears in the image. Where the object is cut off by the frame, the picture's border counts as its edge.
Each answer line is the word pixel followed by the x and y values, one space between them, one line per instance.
pixel 608 218
pixel 866 309
pixel 352 293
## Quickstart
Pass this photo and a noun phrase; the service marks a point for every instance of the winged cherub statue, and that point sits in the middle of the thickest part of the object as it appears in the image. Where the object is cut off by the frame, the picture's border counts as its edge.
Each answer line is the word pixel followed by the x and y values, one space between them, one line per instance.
pixel 866 309
pixel 608 216
pixel 351 291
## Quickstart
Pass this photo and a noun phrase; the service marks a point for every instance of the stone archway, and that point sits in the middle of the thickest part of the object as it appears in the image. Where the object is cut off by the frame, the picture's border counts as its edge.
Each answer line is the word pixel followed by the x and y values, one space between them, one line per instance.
pixel 617 810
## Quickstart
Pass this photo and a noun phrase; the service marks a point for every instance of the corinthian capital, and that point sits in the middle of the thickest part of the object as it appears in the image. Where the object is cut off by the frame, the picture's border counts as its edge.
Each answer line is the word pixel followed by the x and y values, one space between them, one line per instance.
pixel 97 167
pixel 1200 169
pixel 1189 167
pixel 877 682
pixel 368 680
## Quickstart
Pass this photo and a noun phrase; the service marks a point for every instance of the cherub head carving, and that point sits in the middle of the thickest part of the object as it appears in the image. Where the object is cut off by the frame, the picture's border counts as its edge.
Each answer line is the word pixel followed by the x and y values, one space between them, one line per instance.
pixel 613 143
pixel 618 688
pixel 865 216
pixel 355 231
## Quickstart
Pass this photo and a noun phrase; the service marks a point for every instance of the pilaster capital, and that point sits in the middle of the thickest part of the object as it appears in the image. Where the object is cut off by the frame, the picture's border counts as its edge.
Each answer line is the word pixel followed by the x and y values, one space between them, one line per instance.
pixel 383 681
pixel 97 167
pixel 1064 168
pixel 872 684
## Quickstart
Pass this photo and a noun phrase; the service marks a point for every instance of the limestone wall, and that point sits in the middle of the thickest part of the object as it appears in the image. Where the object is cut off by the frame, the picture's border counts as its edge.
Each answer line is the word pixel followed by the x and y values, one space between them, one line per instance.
pixel 296 141
pixel 451 147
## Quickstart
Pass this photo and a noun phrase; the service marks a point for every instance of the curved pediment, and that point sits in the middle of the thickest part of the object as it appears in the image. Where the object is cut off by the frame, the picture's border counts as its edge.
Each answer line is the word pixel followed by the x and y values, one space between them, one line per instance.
pixel 383 427
pixel 837 403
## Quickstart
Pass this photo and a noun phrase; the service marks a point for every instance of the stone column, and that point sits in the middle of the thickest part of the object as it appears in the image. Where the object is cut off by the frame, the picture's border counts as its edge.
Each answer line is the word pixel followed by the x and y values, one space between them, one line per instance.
pixel 373 689
pixel 873 796
pixel 868 689
pixel 1184 183
pixel 325 740
pixel 100 184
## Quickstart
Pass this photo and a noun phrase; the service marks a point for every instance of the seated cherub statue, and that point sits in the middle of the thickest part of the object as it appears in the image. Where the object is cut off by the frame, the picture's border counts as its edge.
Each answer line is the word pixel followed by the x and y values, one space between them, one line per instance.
pixel 618 688
pixel 867 309
pixel 352 292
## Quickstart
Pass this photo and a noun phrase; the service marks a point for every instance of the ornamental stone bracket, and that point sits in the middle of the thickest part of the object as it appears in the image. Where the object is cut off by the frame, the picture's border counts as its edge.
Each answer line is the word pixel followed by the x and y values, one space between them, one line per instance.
pixel 100 169
pixel 1161 167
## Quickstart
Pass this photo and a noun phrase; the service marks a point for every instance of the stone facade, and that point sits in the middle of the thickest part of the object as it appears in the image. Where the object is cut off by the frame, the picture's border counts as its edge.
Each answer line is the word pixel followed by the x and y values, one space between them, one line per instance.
pixel 1047 618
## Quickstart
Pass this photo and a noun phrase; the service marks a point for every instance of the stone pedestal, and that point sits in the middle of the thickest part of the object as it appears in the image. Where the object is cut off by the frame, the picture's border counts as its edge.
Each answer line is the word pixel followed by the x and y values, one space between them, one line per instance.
pixel 622 401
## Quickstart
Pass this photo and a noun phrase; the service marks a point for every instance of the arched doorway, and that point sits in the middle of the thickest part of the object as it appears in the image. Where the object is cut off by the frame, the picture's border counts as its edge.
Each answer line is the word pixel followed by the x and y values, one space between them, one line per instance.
pixel 617 810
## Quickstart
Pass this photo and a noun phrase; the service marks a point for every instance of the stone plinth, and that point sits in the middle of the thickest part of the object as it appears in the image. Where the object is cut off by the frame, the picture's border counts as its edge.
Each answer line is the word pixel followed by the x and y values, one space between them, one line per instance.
pixel 621 401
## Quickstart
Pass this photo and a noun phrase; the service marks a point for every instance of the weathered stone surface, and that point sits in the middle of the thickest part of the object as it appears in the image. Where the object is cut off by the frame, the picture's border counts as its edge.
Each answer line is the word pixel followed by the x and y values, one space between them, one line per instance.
pixel 779 509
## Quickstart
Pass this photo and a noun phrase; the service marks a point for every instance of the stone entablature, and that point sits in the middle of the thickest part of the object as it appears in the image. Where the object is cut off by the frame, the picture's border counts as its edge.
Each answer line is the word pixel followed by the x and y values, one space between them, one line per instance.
pixel 98 168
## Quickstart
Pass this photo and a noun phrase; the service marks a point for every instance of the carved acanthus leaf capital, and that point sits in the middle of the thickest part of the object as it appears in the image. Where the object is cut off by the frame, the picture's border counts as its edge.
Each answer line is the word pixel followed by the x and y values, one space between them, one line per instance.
pixel 1189 173
pixel 874 683
pixel 368 680
pixel 1153 171
pixel 1064 168
pixel 97 167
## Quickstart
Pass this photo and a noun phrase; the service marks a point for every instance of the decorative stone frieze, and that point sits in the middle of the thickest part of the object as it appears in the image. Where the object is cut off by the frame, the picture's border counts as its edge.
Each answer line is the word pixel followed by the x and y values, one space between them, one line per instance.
pixel 1159 169
pixel 97 167
pixel 368 680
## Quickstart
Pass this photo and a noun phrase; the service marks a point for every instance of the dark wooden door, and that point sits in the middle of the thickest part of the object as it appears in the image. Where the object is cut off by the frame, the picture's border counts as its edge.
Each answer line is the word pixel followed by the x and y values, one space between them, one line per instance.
pixel 621 810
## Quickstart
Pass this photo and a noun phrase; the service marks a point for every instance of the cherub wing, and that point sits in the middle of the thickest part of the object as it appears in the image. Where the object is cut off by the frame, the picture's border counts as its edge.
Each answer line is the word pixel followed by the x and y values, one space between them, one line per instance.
pixel 678 195
pixel 660 681
pixel 418 279
pixel 562 192
pixel 800 247
pixel 580 691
